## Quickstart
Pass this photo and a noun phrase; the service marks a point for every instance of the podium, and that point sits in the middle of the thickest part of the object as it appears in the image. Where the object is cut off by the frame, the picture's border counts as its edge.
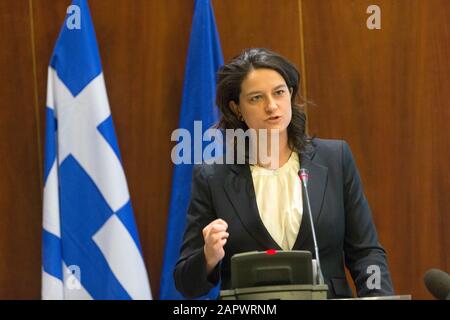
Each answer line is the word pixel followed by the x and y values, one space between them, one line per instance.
pixel 284 275
pixel 279 292
pixel 292 292
pixel 272 275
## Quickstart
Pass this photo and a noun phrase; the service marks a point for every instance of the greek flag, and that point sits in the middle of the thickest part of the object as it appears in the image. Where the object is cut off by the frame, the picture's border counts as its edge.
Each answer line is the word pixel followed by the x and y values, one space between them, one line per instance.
pixel 90 245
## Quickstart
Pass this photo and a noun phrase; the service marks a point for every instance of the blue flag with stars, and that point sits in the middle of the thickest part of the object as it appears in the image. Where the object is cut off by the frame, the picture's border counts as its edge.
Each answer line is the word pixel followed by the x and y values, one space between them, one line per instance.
pixel 203 60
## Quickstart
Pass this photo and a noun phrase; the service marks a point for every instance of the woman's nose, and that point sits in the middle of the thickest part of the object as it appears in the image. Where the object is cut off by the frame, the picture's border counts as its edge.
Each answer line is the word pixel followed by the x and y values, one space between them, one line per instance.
pixel 271 105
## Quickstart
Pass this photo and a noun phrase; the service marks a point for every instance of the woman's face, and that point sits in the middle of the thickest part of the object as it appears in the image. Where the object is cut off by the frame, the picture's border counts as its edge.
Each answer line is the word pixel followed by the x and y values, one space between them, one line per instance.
pixel 265 101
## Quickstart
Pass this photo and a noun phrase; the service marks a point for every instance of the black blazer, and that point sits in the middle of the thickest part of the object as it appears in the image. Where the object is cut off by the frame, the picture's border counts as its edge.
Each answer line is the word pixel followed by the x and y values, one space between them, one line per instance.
pixel 345 231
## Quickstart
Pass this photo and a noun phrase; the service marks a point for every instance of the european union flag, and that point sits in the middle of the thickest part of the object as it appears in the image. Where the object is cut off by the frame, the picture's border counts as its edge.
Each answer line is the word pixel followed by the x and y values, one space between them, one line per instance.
pixel 90 247
pixel 198 104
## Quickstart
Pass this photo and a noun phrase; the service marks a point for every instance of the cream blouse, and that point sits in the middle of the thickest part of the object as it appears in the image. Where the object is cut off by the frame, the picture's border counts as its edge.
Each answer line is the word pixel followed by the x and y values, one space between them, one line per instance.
pixel 279 198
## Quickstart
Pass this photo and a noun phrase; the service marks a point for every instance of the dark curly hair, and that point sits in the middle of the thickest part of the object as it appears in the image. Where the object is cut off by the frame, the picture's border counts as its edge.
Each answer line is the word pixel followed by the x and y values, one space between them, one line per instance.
pixel 229 80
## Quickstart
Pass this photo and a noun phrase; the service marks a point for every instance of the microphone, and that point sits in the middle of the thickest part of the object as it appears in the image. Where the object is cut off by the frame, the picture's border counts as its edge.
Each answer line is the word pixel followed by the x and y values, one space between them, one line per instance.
pixel 438 283
pixel 304 178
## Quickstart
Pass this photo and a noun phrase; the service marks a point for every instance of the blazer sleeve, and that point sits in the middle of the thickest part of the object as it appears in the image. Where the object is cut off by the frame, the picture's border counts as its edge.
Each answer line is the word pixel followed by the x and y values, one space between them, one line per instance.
pixel 190 275
pixel 364 256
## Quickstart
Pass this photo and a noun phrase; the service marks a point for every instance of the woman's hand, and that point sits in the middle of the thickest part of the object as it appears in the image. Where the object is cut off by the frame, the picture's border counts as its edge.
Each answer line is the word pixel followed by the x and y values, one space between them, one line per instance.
pixel 215 236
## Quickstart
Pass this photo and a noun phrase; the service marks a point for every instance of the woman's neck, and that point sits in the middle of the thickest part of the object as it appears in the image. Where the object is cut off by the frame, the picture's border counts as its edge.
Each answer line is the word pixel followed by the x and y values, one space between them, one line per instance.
pixel 276 157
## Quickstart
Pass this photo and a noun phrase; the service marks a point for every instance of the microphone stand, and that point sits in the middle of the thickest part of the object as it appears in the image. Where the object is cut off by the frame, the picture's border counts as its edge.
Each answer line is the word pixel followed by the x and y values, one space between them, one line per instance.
pixel 304 178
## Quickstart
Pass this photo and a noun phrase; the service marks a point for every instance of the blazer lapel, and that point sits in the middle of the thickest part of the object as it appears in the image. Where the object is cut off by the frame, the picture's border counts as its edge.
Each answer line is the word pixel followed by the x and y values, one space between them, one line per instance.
pixel 239 189
pixel 316 188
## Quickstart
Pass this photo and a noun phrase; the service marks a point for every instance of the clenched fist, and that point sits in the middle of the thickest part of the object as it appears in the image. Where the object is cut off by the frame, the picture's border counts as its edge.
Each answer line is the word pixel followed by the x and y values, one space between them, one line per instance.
pixel 215 236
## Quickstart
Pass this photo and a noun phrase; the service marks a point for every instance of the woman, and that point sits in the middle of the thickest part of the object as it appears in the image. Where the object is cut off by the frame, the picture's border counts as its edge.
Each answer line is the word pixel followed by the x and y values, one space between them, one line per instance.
pixel 246 207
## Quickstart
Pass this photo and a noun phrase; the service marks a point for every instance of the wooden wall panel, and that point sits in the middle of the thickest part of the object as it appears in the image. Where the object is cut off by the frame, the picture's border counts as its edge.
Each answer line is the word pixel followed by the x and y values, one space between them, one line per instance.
pixel 385 92
pixel 259 23
pixel 20 200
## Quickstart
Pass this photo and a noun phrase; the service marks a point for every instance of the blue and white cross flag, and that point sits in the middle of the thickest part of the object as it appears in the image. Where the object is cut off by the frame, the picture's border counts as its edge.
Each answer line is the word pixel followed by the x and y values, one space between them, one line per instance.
pixel 90 245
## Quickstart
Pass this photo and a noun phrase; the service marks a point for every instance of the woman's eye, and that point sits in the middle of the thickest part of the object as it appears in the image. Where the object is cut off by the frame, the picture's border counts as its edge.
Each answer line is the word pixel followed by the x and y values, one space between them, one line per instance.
pixel 255 98
pixel 279 92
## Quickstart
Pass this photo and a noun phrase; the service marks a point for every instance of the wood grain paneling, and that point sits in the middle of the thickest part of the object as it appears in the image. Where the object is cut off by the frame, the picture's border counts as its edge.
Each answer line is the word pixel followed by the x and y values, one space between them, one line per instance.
pixel 259 23
pixel 20 200
pixel 385 92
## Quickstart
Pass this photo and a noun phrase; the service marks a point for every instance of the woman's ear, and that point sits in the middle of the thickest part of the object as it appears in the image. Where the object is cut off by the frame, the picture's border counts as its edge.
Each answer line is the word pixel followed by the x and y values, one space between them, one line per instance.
pixel 291 90
pixel 235 109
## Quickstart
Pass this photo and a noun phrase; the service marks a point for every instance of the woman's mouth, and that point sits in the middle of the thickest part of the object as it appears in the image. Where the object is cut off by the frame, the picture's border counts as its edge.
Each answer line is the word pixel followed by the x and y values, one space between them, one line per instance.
pixel 274 119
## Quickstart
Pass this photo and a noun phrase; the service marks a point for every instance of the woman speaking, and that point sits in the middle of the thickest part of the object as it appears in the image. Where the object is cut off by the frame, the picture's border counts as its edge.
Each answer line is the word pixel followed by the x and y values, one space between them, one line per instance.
pixel 259 206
